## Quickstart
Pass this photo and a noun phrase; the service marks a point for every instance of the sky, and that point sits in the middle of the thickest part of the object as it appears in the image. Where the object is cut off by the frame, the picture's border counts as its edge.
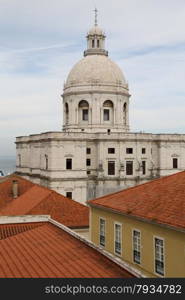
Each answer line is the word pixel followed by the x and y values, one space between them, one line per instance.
pixel 41 40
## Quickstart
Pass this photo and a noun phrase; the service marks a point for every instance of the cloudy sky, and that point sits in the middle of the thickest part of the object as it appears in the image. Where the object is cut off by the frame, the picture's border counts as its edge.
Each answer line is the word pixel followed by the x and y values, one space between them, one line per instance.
pixel 40 40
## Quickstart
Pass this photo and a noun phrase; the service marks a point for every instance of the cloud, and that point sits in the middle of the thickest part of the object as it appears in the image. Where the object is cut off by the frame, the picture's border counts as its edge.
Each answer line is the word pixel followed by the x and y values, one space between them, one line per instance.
pixel 42 40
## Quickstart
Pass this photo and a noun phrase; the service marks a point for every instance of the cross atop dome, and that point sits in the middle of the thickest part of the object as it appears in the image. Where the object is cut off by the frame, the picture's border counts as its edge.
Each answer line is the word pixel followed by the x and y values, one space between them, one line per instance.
pixel 96 17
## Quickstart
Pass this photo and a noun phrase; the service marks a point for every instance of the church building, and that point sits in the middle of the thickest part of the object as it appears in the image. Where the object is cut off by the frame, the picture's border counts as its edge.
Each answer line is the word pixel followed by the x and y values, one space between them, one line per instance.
pixel 95 153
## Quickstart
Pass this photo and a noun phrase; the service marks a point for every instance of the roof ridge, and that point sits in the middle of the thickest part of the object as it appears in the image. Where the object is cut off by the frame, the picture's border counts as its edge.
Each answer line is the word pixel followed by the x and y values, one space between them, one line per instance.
pixel 46 188
pixel 18 199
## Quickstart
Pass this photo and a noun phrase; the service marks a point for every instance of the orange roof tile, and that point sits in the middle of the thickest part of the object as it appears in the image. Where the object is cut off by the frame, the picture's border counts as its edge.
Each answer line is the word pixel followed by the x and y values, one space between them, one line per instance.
pixel 7 230
pixel 161 200
pixel 47 251
pixel 38 200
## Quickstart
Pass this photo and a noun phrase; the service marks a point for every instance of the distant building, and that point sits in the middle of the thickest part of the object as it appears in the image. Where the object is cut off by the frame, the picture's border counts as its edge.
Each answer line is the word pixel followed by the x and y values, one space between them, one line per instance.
pixel 95 153
pixel 1 173
pixel 37 246
pixel 19 196
pixel 144 226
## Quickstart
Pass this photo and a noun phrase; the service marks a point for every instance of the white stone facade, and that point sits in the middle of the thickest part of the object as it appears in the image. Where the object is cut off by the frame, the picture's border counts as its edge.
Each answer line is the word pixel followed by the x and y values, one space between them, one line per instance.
pixel 95 154
pixel 57 147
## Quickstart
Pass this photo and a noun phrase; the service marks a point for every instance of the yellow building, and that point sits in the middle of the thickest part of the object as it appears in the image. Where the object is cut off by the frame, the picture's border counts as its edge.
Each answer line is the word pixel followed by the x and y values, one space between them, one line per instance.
pixel 144 226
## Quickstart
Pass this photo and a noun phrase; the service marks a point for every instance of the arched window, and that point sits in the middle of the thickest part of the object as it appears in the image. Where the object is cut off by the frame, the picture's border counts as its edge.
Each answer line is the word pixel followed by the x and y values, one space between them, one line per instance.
pixel 84 110
pixel 125 112
pixel 125 107
pixel 46 162
pixel 67 112
pixel 92 43
pixel 107 110
pixel 98 43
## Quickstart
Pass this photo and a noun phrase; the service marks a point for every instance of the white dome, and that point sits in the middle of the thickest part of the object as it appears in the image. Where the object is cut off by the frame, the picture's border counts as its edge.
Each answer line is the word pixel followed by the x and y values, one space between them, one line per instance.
pixel 95 69
pixel 96 30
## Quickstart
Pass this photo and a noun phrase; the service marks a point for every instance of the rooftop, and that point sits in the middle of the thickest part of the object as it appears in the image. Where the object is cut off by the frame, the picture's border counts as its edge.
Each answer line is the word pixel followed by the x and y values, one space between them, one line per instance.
pixel 34 199
pixel 50 250
pixel 161 201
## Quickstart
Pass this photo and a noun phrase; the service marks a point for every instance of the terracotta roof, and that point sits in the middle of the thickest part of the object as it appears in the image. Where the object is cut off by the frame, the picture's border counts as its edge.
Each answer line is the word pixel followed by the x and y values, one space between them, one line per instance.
pixel 38 200
pixel 7 230
pixel 6 195
pixel 161 200
pixel 47 251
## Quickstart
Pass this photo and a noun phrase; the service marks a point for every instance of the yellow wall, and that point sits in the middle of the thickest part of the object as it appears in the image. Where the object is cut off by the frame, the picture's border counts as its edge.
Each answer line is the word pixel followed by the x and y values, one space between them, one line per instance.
pixel 174 243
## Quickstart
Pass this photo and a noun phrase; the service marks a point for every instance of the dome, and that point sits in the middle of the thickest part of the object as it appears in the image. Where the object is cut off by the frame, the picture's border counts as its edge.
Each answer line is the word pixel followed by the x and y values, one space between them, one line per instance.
pixel 96 69
pixel 96 30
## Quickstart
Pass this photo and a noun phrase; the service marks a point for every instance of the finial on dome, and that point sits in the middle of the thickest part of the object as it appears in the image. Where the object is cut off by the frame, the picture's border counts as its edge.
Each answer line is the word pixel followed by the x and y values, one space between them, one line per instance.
pixel 96 39
pixel 96 17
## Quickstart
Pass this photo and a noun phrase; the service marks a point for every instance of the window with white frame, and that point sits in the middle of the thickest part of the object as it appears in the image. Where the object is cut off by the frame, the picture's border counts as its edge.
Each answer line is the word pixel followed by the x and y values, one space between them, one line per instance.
pixel 102 232
pixel 136 246
pixel 117 238
pixel 159 256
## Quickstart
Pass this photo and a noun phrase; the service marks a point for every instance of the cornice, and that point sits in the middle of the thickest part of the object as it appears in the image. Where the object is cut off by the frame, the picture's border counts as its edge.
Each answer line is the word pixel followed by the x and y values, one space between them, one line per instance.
pixel 89 91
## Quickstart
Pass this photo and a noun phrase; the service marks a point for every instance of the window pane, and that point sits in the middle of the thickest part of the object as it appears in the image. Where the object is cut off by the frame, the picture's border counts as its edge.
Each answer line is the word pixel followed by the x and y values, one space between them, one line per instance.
pixel 111 150
pixel 106 115
pixel 117 238
pixel 175 163
pixel 68 163
pixel 88 151
pixel 85 114
pixel 144 167
pixel 143 150
pixel 129 168
pixel 136 247
pixel 159 257
pixel 111 167
pixel 102 232
pixel 129 150
pixel 69 195
pixel 88 162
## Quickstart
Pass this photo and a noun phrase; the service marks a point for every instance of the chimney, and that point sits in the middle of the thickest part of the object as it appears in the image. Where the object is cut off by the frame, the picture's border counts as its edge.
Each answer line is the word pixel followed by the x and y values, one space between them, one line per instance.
pixel 15 188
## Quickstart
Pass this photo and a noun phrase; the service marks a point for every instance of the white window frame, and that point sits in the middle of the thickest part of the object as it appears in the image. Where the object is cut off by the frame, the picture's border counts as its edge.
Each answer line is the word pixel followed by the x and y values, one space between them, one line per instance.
pixel 137 230
pixel 119 224
pixel 103 219
pixel 162 239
